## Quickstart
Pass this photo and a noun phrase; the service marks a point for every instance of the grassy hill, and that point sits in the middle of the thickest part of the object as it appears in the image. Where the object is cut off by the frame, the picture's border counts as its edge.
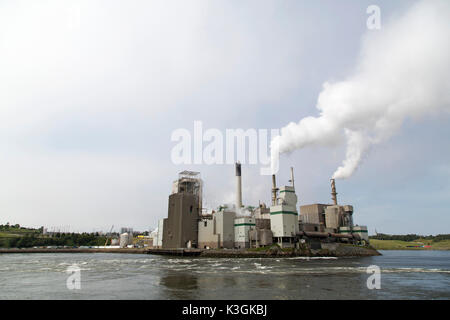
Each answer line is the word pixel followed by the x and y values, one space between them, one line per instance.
pixel 406 245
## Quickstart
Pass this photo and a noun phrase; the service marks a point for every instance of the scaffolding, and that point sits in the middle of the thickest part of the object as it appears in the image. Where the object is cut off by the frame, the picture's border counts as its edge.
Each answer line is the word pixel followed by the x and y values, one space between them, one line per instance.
pixel 189 182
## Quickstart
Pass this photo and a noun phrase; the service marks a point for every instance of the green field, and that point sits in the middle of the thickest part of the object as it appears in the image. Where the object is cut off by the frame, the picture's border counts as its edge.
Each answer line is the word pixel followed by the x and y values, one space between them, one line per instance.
pixel 403 245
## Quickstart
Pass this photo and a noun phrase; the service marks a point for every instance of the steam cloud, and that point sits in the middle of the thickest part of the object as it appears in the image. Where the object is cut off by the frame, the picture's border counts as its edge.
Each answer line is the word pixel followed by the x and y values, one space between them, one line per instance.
pixel 403 71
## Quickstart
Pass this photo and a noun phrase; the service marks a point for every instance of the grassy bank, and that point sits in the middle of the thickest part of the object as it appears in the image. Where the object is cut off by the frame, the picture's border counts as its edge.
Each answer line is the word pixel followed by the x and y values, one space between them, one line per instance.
pixel 406 245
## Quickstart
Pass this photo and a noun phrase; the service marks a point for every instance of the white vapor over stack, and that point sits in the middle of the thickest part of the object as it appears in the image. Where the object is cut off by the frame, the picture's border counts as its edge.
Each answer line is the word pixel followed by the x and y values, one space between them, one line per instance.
pixel 403 71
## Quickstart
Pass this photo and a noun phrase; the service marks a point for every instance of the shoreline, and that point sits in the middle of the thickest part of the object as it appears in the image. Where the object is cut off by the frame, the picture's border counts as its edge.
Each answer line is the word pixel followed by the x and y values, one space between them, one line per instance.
pixel 327 250
pixel 74 250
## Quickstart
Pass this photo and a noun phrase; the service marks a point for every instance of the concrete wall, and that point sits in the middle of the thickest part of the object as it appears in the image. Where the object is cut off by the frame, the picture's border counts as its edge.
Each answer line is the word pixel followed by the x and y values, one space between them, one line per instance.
pixel 206 234
pixel 332 217
pixel 260 237
pixel 262 223
pixel 312 227
pixel 225 228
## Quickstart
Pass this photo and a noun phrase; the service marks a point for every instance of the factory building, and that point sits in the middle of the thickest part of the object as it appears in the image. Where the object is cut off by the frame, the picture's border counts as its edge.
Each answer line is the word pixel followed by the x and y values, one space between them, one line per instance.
pixel 262 234
pixel 360 231
pixel 331 218
pixel 312 217
pixel 217 230
pixel 180 229
pixel 242 228
pixel 284 217
pixel 262 212
pixel 283 214
pixel 186 227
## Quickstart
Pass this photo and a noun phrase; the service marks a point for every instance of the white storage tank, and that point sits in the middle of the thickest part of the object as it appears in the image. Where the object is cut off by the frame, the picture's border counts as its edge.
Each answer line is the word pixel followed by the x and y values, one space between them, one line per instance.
pixel 124 239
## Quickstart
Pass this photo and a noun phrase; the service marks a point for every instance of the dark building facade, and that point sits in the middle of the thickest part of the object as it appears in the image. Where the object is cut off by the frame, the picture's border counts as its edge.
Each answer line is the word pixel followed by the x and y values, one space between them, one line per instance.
pixel 181 227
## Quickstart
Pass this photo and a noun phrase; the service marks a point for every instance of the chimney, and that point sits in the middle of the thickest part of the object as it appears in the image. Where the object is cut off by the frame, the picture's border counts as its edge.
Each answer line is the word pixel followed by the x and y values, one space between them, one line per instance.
pixel 292 177
pixel 238 186
pixel 274 191
pixel 333 192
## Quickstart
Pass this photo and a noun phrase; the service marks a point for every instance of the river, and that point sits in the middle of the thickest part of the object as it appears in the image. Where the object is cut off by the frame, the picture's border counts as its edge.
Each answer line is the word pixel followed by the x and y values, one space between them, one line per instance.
pixel 404 275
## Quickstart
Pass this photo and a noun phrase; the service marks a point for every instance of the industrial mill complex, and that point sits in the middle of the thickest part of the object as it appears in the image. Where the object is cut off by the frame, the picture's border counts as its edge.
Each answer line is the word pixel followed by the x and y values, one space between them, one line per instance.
pixel 282 223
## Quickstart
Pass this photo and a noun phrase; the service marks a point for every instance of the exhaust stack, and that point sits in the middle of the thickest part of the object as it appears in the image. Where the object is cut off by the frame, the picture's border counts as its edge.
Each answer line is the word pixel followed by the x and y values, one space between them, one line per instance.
pixel 274 191
pixel 292 177
pixel 333 192
pixel 238 186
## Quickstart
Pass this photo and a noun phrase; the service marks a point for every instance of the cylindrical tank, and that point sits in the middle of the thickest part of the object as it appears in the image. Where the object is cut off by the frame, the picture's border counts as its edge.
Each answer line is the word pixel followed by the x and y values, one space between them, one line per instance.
pixel 124 239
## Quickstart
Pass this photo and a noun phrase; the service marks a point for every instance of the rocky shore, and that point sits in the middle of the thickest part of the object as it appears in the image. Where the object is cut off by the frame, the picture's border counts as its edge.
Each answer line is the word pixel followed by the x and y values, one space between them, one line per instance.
pixel 326 250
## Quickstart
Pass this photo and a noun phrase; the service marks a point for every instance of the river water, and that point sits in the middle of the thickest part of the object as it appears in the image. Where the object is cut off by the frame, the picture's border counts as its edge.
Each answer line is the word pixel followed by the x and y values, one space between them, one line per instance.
pixel 404 275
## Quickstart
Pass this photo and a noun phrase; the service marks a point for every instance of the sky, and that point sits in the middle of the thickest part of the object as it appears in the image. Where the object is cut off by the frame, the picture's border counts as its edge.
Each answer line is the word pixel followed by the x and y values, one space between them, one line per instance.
pixel 91 92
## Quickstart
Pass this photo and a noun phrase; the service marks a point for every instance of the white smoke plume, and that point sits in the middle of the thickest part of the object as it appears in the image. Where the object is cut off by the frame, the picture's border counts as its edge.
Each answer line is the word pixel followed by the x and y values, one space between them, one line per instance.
pixel 240 212
pixel 403 71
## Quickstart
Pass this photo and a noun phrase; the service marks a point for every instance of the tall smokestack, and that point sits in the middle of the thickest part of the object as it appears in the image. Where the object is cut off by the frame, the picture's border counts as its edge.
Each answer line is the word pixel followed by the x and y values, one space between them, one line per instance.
pixel 333 192
pixel 274 191
pixel 238 186
pixel 292 177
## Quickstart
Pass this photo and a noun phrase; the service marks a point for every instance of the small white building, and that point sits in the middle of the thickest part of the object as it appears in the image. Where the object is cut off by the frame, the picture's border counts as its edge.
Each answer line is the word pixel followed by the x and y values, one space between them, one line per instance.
pixel 284 217
pixel 242 227
pixel 362 232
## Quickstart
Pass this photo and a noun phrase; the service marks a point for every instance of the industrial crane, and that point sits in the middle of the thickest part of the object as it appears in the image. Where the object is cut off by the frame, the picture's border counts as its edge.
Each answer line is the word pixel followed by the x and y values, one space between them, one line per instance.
pixel 109 235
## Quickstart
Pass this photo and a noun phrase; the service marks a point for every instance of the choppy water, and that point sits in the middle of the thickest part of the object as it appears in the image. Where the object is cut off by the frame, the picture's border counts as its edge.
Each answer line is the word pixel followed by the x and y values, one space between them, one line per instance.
pixel 404 275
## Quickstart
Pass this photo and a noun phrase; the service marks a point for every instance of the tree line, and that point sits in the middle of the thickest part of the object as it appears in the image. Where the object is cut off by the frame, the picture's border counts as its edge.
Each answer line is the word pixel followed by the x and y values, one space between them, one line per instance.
pixel 58 239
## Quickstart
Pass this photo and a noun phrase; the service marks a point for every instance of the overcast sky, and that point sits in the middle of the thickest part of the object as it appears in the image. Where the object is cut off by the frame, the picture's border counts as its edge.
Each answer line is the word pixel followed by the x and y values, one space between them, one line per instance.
pixel 91 91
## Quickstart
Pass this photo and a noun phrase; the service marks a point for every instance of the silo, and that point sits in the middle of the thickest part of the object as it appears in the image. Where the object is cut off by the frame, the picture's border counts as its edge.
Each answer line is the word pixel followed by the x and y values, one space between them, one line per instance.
pixel 124 239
